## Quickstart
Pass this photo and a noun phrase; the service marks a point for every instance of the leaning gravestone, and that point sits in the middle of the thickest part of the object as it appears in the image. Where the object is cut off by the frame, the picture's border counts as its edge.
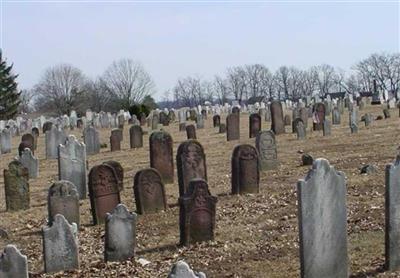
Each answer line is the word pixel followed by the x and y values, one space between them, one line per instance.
pixel 266 147
pixel 60 246
pixel 92 140
pixel 149 192
pixel 72 164
pixel 161 156
pixel 30 162
pixel 63 198
pixel 103 192
pixel 16 186
pixel 245 170
pixel 120 234
pixel 12 263
pixel 277 126
pixel 182 270
pixel 323 222
pixel 233 126
pixel 136 137
pixel 5 141
pixel 191 132
pixel 191 163
pixel 197 209
pixel 254 125
pixel 54 137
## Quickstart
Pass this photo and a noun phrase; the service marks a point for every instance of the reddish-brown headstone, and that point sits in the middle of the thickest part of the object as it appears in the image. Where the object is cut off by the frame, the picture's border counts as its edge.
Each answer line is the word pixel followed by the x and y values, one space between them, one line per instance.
pixel 197 210
pixel 216 120
pixel 103 192
pixel 161 155
pixel 79 123
pixel 30 141
pixel 254 125
pixel 190 163
pixel 191 132
pixel 318 116
pixel 245 170
pixel 136 136
pixel 277 126
pixel 24 145
pixel 118 132
pixel 115 142
pixel 233 127
pixel 119 171
pixel 149 191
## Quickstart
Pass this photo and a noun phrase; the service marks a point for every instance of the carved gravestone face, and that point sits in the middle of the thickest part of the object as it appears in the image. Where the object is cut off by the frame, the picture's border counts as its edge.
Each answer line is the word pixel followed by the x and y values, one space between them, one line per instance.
pixel 200 121
pixel 154 121
pixel 164 119
pixel 266 147
pixel 16 186
pixel 47 126
pixel 191 132
pixel 136 136
pixel 277 126
pixel 197 213
pixel 319 116
pixel 233 127
pixel 327 127
pixel 300 130
pixel 149 192
pixel 115 142
pixel 121 121
pixel 182 126
pixel 304 115
pixel 5 141
pixel 63 198
pixel 254 125
pixel 193 115
pixel 161 157
pixel 13 263
pixel 245 170
pixel 103 191
pixel 119 171
pixel 295 123
pixel 216 120
pixel 191 163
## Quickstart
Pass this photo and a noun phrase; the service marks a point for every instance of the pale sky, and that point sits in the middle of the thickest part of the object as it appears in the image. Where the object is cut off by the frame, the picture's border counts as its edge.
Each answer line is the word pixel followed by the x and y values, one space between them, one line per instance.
pixel 176 39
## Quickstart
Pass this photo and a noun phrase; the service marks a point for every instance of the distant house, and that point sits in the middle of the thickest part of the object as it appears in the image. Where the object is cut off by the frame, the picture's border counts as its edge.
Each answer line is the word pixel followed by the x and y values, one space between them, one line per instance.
pixel 366 94
pixel 337 95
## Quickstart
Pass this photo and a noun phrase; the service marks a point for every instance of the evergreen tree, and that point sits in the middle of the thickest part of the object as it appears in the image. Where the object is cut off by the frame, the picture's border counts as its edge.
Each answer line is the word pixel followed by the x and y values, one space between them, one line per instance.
pixel 9 94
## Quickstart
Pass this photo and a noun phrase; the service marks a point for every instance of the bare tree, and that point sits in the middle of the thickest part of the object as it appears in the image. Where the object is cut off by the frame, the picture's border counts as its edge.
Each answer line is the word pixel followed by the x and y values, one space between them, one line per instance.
pixel 236 80
pixel 98 97
pixel 258 80
pixel 326 77
pixel 221 89
pixel 189 91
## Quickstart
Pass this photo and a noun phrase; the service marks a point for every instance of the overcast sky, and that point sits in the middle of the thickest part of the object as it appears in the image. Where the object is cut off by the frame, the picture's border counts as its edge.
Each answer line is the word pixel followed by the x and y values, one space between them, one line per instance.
pixel 174 40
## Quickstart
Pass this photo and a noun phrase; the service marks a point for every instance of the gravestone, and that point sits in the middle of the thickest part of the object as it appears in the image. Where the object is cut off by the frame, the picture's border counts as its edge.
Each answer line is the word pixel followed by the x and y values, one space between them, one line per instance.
pixel 103 192
pixel 63 198
pixel 353 119
pixel 254 125
pixel 367 119
pixel 326 131
pixel 154 121
pixel 200 121
pixel 163 119
pixel 182 270
pixel 191 132
pixel 60 246
pixel 323 222
pixel 304 116
pixel 161 155
pixel 278 125
pixel 149 191
pixel 233 127
pixel 30 162
pixel 16 186
pixel 287 120
pixel 182 126
pixel 386 113
pixel 216 120
pixel 191 163
pixel 46 127
pixel 245 170
pixel 5 141
pixel 301 131
pixel 121 121
pixel 235 110
pixel 115 142
pixel 294 124
pixel 335 116
pixel 92 140
pixel 266 147
pixel 30 141
pixel 136 137
pixel 119 171
pixel 53 138
pixel 119 133
pixel 120 234
pixel 318 116
pixel 197 209
pixel 72 164
pixel 142 119
pixel 35 132
pixel 12 263
pixel 222 128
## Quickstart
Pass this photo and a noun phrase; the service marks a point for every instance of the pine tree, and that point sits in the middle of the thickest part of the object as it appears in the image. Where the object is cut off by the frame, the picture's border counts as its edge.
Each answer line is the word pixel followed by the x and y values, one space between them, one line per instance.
pixel 9 94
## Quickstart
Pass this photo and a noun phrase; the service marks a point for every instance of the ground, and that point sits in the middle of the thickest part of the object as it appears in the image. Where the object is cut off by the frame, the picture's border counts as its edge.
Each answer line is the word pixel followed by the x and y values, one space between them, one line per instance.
pixel 256 235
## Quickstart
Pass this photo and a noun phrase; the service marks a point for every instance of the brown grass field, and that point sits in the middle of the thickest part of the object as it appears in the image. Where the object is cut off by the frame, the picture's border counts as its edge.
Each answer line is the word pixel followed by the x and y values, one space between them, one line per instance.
pixel 256 235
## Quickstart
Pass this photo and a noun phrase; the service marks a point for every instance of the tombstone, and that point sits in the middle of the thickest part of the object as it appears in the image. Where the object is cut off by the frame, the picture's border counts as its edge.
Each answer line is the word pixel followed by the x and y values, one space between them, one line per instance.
pixel 115 142
pixel 119 133
pixel 63 198
pixel 199 121
pixel 326 131
pixel 301 131
pixel 30 141
pixel 12 263
pixel 353 119
pixel 197 209
pixel 216 120
pixel 182 270
pixel 60 246
pixel 233 127
pixel 266 147
pixel 367 119
pixel 254 125
pixel 5 141
pixel 149 192
pixel 92 140
pixel 161 155
pixel 190 163
pixel 278 125
pixel 386 113
pixel 120 234
pixel 53 138
pixel 294 124
pixel 35 132
pixel 322 222
pixel 163 119
pixel 154 122
pixel 222 128
pixel 16 186
pixel 287 120
pixel 191 132
pixel 121 121
pixel 72 164
pixel 318 116
pixel 304 116
pixel 103 191
pixel 46 127
pixel 136 137
pixel 245 170
pixel 142 119
pixel 30 162
pixel 119 171
pixel 182 126
pixel 335 116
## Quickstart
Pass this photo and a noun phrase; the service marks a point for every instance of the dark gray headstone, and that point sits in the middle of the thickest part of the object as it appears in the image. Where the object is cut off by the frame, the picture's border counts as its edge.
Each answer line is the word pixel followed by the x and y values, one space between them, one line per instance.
pixel 266 147
pixel 12 263
pixel 92 140
pixel 326 128
pixel 30 162
pixel 53 138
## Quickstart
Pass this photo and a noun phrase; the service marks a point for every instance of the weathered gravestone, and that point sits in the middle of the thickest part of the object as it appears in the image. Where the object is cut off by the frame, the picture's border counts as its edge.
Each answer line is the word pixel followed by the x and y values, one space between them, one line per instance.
pixel 46 127
pixel 353 120
pixel 233 127
pixel 53 138
pixel 294 124
pixel 326 131
pixel 154 121
pixel 245 170
pixel 63 198
pixel 277 126
pixel 136 137
pixel 149 191
pixel 30 141
pixel 163 119
pixel 236 110
pixel 216 120
pixel 335 116
pixel 191 132
pixel 386 113
pixel 367 118
pixel 197 210
pixel 301 130
pixel 287 120
pixel 119 171
pixel 5 141
pixel 72 164
pixel 161 155
pixel 60 245
pixel 30 162
pixel 199 121
pixel 16 186
pixel 92 140
pixel 304 115
pixel 115 142
pixel 222 128
pixel 12 263
pixel 120 234
pixel 142 118
pixel 254 125
pixel 182 270
pixel 266 147
pixel 322 222
pixel 103 192
pixel 182 126
pixel 35 132
pixel 318 116
pixel 191 163
pixel 119 133
pixel 121 121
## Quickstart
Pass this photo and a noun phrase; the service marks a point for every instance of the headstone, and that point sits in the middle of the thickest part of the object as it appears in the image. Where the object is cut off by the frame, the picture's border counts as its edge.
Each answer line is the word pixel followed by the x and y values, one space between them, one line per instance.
pixel 119 171
pixel 46 127
pixel 335 116
pixel 216 120
pixel 245 170
pixel 233 127
pixel 5 141
pixel 191 132
pixel 163 119
pixel 161 155
pixel 266 147
pixel 301 131
pixel 197 209
pixel 136 137
pixel 304 116
pixel 386 113
pixel 254 125
pixel 60 246
pixel 367 119
pixel 278 125
pixel 30 140
pixel 182 270
pixel 30 162
pixel 353 117
pixel 287 120
pixel 318 116
pixel 54 137
pixel 154 122
pixel 182 126
pixel 222 128
pixel 120 234
pixel 12 263
pixel 323 222
pixel 115 142
pixel 200 121
pixel 16 187
pixel 92 140
pixel 326 128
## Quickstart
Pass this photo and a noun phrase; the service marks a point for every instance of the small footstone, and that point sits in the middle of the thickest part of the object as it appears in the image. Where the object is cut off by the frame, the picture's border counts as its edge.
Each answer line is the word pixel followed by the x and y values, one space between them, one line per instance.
pixel 306 159
pixel 183 270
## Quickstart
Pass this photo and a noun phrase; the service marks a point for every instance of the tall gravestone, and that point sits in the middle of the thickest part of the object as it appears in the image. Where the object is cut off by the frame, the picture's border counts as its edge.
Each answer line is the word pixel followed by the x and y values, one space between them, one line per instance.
pixel 46 126
pixel 191 132
pixel 5 141
pixel 16 187
pixel 245 170
pixel 136 137
pixel 92 140
pixel 200 121
pixel 318 116
pixel 353 120
pixel 197 209
pixel 266 147
pixel 335 116
pixel 233 127
pixel 12 263
pixel 254 125
pixel 30 162
pixel 161 155
pixel 326 128
pixel 277 126
pixel 53 138
pixel 115 142
pixel 301 130
pixel 216 120
pixel 191 163
pixel 304 116
pixel 323 222
pixel 154 121
pixel 72 164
